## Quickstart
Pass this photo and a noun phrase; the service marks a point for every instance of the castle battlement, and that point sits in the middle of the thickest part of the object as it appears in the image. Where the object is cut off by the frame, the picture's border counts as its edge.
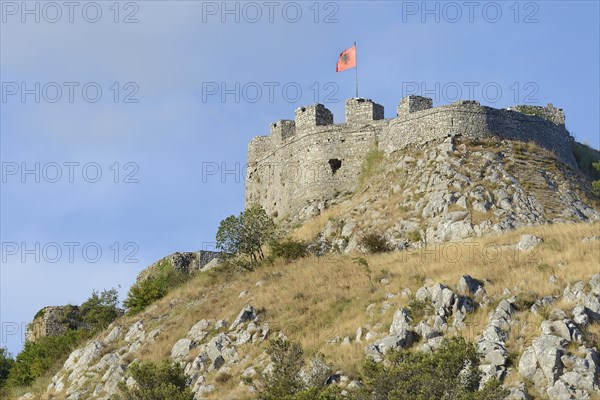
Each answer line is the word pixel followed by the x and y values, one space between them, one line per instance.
pixel 310 158
pixel 362 111
pixel 315 115
pixel 410 104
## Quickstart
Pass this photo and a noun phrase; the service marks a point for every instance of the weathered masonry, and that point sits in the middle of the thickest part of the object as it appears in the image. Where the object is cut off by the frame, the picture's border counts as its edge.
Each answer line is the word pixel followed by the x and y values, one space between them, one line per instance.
pixel 311 159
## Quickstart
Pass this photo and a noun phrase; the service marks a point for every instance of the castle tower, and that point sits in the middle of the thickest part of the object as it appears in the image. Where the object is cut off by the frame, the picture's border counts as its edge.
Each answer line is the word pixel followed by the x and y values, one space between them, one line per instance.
pixel 314 115
pixel 283 129
pixel 413 103
pixel 362 111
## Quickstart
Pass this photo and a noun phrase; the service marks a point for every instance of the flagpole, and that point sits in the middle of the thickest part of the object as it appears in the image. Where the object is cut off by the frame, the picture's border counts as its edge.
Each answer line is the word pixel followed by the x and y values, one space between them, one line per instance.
pixel 356 68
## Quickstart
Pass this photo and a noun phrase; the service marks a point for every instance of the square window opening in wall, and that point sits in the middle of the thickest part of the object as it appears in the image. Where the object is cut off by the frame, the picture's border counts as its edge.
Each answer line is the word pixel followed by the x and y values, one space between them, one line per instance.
pixel 303 109
pixel 335 164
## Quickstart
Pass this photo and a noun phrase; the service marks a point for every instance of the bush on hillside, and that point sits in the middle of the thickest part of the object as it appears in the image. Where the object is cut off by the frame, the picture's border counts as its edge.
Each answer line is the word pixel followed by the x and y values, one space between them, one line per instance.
pixel 157 382
pixel 153 288
pixel 285 381
pixel 288 249
pixel 448 373
pixel 38 357
pixel 6 364
pixel 596 184
pixel 287 362
pixel 100 309
pixel 587 158
pixel 374 243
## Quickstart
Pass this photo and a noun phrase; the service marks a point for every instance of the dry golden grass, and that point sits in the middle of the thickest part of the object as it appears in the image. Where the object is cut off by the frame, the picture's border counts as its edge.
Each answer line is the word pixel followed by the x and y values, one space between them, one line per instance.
pixel 475 323
pixel 311 228
pixel 315 299
pixel 526 328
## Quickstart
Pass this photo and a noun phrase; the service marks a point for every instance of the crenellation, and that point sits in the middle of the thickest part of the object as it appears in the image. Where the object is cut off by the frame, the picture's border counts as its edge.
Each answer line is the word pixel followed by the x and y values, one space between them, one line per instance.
pixel 283 129
pixel 362 111
pixel 314 115
pixel 465 103
pixel 410 104
pixel 326 158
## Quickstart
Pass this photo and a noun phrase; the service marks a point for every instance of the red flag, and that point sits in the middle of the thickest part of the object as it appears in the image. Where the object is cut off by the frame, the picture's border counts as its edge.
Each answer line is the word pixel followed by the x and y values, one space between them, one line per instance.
pixel 347 59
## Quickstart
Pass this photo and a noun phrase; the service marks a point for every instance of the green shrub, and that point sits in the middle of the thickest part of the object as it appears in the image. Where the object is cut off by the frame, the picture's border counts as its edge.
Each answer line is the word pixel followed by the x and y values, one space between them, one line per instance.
pixel 417 309
pixel 100 310
pixel 153 288
pixel 374 243
pixel 40 313
pixel 285 381
pixel 524 300
pixel 156 382
pixel 450 372
pixel 596 184
pixel 144 293
pixel 587 158
pixel 414 236
pixel 531 110
pixel 288 249
pixel 38 357
pixel 6 364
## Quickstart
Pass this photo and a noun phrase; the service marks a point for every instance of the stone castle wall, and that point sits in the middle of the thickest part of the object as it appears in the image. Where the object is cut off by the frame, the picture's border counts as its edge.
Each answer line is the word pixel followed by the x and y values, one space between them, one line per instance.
pixel 310 159
pixel 53 321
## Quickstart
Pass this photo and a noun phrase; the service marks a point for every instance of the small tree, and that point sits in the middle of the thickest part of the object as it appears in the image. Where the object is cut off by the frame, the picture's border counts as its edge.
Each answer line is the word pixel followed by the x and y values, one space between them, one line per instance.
pixel 100 309
pixel 157 382
pixel 247 233
pixel 287 362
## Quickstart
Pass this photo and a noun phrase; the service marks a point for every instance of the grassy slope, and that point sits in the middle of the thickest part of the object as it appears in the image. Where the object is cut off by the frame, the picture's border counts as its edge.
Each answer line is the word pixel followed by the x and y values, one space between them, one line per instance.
pixel 314 299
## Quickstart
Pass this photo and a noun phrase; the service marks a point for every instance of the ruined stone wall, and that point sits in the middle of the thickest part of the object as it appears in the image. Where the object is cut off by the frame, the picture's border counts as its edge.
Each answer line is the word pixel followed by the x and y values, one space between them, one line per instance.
pixel 53 321
pixel 551 113
pixel 182 262
pixel 470 119
pixel 310 159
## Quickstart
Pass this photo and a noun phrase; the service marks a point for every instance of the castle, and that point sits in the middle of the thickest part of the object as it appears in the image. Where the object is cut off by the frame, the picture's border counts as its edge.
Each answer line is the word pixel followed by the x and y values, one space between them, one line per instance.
pixel 312 159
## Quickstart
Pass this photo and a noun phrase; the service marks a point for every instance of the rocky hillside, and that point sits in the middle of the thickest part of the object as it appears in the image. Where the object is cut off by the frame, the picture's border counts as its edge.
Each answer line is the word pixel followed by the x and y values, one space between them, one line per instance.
pixel 450 191
pixel 495 242
pixel 528 298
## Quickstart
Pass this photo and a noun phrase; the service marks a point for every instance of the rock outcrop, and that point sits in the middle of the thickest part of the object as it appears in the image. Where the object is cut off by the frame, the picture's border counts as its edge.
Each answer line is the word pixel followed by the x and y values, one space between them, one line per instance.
pixel 454 190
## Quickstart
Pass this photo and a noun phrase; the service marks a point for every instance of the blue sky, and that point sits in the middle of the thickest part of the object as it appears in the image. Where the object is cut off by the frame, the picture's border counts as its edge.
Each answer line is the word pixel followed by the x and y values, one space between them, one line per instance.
pixel 162 117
